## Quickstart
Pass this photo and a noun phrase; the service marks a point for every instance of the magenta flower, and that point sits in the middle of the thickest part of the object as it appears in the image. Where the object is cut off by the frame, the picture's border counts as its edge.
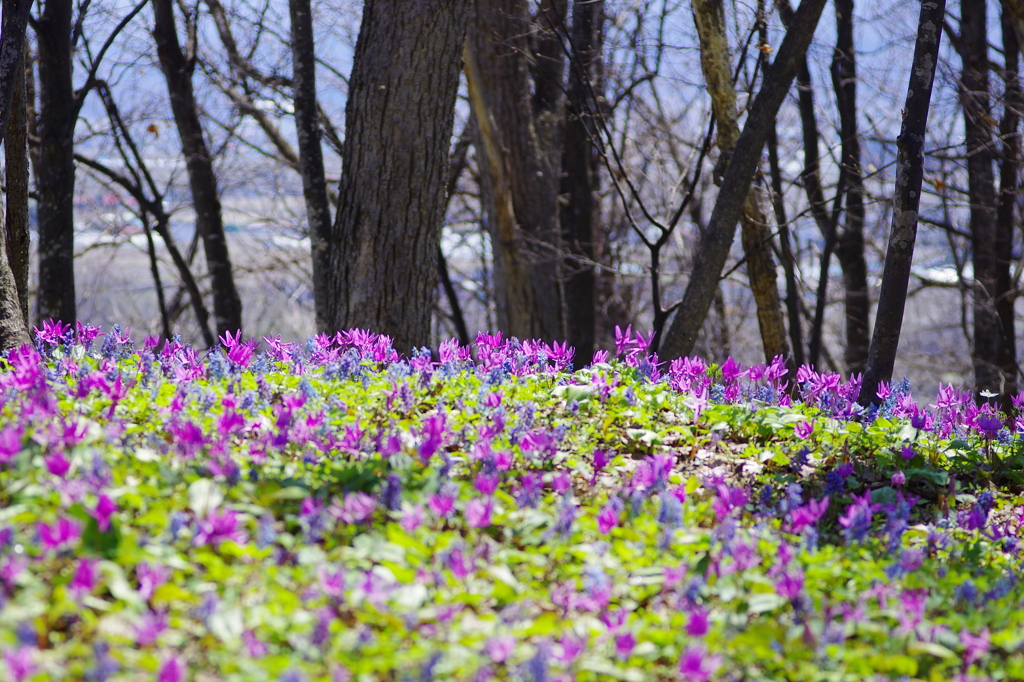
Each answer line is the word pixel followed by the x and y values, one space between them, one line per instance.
pixel 172 670
pixel 697 625
pixel 19 663
pixel 63 532
pixel 696 666
pixel 219 526
pixel 253 645
pixel 804 429
pixel 84 580
pixel 907 452
pixel 441 504
pixel 898 479
pixel 105 508
pixel 624 644
pixel 486 484
pixel 151 577
pixel 478 513
pixel 570 648
pixel 332 583
pixel 57 464
pixel 10 442
pixel 608 518
pixel 807 515
pixel 561 482
pixel 790 584
pixel 500 648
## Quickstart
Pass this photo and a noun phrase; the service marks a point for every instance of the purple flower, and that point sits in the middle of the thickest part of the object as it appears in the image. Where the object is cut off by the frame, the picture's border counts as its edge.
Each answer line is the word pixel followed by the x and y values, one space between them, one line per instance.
pixel 332 583
pixel 478 513
pixel 728 499
pixel 105 508
pixel 172 670
pixel 500 648
pixel 486 483
pixel 804 429
pixel 253 645
pixel 989 424
pixel 731 370
pixel 84 579
pixel 219 526
pixel 975 646
pixel 357 507
pixel 857 520
pixel 441 504
pixel 898 479
pixel 696 666
pixel 561 482
pixel 790 584
pixel 697 625
pixel 907 452
pixel 10 442
pixel 570 648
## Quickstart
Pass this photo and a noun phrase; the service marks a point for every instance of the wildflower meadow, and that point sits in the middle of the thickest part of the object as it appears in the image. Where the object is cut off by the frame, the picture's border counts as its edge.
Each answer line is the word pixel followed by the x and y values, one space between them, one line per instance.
pixel 332 511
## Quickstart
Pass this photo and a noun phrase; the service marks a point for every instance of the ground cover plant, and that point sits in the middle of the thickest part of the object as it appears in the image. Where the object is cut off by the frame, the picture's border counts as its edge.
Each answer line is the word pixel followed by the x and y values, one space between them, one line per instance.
pixel 332 511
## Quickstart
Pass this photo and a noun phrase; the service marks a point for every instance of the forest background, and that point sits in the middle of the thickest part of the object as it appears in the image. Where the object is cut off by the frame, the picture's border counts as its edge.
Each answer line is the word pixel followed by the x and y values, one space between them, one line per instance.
pixel 435 168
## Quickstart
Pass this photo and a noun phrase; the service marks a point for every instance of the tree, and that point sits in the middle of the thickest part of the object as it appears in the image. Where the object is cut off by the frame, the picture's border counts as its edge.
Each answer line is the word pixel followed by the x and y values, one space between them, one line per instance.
pixel 311 158
pixel 709 15
pixel 398 126
pixel 177 66
pixel 899 255
pixel 13 327
pixel 736 182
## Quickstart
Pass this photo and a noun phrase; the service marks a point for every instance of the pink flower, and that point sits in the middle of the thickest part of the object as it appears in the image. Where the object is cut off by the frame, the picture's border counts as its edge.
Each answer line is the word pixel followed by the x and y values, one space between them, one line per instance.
pixel 697 625
pixel 149 627
pixel 253 645
pixel 219 526
pixel 357 507
pixel 412 518
pixel 570 648
pixel 84 579
pixel 441 504
pixel 151 577
pixel 105 508
pixel 975 646
pixel 624 644
pixel 19 663
pixel 486 484
pixel 10 443
pixel 172 670
pixel 57 464
pixel 608 518
pixel 790 584
pixel 64 532
pixel 332 584
pixel 804 429
pixel 561 482
pixel 898 479
pixel 478 513
pixel 500 648
pixel 696 666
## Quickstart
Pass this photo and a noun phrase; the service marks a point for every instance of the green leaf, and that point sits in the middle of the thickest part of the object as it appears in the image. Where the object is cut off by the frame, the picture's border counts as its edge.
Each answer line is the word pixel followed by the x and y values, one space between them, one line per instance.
pixel 204 495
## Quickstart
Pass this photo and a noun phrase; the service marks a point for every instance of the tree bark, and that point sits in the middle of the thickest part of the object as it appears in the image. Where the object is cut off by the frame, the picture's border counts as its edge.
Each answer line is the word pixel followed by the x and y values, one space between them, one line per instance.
pixel 974 97
pixel 311 157
pixel 581 208
pixel 714 247
pixel 892 297
pixel 1009 186
pixel 398 126
pixel 13 325
pixel 527 117
pixel 17 175
pixel 709 16
pixel 850 250
pixel 55 172
pixel 177 67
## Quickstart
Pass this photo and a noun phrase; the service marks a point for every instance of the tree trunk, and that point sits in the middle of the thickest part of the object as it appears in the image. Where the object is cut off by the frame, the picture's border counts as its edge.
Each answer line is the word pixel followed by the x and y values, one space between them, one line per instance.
pixel 398 127
pixel 709 16
pixel 177 67
pixel 17 171
pixel 1009 186
pixel 311 158
pixel 13 324
pixel 55 172
pixel 527 118
pixel 714 247
pixel 580 211
pixel 899 255
pixel 788 260
pixel 850 250
pixel 974 96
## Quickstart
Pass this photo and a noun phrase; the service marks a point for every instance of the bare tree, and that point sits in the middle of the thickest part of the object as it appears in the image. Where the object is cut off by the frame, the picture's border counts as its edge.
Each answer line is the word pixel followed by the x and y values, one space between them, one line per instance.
pixel 736 182
pixel 178 65
pixel 17 176
pixel 909 174
pixel 383 246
